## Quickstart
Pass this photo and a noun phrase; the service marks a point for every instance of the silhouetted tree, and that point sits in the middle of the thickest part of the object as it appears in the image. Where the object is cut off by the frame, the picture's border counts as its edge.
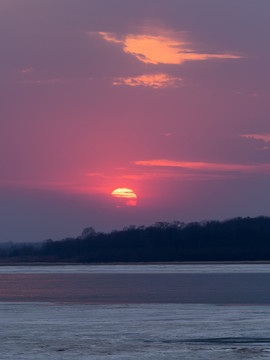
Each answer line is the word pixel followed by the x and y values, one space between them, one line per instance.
pixel 234 239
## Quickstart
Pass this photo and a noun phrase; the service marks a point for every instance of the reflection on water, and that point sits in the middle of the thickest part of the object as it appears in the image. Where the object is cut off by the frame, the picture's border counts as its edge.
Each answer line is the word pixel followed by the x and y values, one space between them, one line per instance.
pixel 137 288
pixel 155 312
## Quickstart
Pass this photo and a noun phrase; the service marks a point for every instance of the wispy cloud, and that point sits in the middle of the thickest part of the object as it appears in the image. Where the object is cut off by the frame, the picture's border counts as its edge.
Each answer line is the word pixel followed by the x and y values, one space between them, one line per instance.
pixel 27 70
pixel 43 81
pixel 43 185
pixel 265 137
pixel 59 186
pixel 207 167
pixel 157 46
pixel 94 174
pixel 162 175
pixel 156 81
pixel 29 75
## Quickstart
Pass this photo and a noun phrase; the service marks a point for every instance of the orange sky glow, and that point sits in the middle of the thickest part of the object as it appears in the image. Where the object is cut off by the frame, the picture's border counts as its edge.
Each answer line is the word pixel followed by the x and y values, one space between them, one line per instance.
pixel 165 102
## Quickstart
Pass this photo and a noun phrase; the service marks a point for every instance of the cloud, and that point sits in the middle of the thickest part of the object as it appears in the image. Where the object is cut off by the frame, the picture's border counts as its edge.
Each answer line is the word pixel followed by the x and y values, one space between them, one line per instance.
pixel 42 185
pixel 148 175
pixel 27 70
pixel 59 187
pixel 156 81
pixel 95 174
pixel 30 76
pixel 158 175
pixel 207 167
pixel 44 81
pixel 265 137
pixel 162 47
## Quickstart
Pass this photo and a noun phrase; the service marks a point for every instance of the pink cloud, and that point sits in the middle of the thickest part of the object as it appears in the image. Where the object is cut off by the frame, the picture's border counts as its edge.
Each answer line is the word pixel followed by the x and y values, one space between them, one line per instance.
pixel 94 174
pixel 153 175
pixel 265 137
pixel 156 81
pixel 206 166
pixel 43 81
pixel 27 70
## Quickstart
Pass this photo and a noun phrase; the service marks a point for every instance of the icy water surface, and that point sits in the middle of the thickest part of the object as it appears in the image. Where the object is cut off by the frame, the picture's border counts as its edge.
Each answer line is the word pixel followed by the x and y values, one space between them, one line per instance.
pixel 138 269
pixel 207 313
pixel 36 331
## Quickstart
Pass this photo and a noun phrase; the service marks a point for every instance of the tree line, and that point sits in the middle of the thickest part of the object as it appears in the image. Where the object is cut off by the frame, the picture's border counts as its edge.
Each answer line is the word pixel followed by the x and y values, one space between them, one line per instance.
pixel 238 239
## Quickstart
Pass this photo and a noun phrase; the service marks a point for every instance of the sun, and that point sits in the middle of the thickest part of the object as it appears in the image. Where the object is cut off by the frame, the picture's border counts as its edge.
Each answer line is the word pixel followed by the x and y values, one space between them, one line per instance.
pixel 125 194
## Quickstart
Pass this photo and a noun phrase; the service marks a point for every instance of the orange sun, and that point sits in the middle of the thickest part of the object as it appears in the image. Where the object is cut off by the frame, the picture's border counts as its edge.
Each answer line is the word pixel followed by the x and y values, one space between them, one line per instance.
pixel 126 194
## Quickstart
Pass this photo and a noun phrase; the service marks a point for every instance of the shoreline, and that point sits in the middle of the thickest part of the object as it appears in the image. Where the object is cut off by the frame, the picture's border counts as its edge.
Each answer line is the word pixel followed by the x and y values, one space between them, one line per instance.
pixel 256 262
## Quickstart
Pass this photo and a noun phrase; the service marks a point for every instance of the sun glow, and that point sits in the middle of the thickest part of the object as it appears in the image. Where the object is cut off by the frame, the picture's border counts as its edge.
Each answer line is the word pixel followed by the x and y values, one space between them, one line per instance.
pixel 125 194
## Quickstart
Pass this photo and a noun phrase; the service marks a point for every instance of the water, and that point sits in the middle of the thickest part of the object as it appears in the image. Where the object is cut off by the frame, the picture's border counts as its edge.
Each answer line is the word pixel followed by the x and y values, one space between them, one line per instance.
pixel 138 269
pixel 209 313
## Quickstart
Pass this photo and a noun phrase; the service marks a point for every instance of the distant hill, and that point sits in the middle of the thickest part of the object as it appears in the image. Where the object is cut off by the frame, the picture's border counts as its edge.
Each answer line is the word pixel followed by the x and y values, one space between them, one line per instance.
pixel 238 239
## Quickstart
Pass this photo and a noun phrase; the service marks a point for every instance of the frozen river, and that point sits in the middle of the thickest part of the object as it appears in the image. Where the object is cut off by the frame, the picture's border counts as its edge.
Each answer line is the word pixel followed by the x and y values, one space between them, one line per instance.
pixel 107 312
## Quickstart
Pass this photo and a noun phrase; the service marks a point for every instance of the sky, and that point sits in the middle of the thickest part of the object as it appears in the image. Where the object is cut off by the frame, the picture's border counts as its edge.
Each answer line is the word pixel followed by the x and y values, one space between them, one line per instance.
pixel 121 112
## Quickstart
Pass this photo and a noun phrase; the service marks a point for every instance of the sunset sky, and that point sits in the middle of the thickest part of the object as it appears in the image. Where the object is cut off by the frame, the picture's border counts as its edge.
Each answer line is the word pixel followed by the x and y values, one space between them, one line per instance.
pixel 166 99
